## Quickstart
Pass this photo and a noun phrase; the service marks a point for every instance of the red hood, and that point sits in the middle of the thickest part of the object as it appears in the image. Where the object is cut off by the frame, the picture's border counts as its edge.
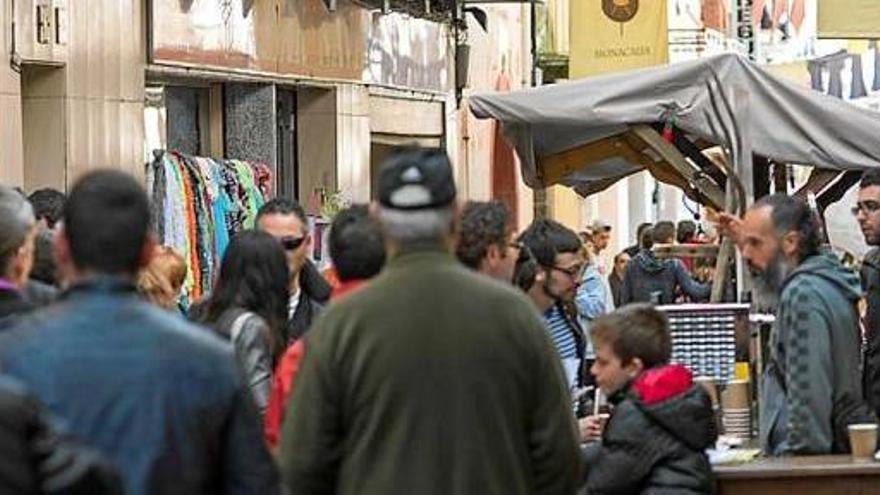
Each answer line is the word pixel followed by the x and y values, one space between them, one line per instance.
pixel 663 382
pixel 345 287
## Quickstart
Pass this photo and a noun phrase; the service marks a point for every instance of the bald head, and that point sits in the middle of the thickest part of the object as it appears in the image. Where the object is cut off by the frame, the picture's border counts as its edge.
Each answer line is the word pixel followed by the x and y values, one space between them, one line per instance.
pixel 16 230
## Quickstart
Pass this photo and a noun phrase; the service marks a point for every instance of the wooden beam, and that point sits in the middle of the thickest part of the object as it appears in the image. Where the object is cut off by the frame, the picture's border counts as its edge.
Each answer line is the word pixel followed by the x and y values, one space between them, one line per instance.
pixel 553 169
pixel 671 155
pixel 819 179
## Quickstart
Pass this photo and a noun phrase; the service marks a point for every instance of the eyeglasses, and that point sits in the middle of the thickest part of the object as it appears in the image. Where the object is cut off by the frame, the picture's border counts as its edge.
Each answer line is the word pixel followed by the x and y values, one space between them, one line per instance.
pixel 572 271
pixel 865 206
pixel 292 243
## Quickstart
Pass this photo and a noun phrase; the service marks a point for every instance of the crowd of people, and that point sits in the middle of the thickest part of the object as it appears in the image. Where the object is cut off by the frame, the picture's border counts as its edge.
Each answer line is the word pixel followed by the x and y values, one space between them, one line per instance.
pixel 447 353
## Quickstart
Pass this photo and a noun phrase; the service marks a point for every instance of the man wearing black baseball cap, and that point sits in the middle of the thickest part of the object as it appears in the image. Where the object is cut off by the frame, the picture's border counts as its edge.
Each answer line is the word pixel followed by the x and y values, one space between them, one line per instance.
pixel 432 379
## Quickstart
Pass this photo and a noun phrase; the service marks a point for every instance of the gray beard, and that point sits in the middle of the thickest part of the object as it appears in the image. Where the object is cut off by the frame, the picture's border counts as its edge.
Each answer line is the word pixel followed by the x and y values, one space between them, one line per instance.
pixel 768 283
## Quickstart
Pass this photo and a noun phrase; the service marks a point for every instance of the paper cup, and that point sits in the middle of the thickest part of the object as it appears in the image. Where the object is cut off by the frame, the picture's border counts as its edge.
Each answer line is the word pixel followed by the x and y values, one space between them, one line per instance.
pixel 735 395
pixel 863 441
pixel 603 420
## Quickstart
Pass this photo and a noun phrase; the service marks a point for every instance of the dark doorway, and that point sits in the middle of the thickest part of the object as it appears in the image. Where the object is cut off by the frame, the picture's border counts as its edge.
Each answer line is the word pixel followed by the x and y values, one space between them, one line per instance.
pixel 287 176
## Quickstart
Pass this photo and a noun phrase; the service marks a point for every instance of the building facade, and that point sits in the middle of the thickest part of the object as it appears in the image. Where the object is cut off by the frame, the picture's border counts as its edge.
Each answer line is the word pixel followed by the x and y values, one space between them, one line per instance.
pixel 321 91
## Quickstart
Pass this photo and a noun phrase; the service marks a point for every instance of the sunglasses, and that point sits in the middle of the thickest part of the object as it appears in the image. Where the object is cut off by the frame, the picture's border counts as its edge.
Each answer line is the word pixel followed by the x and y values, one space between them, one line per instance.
pixel 292 243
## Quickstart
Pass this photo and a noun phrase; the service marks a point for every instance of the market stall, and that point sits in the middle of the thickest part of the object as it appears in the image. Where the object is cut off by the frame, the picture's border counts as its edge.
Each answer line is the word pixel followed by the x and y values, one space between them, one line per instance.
pixel 591 133
pixel 668 120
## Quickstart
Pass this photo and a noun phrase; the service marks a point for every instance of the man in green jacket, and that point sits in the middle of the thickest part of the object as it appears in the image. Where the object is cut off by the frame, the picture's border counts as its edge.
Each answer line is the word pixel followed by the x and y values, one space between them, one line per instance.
pixel 433 379
pixel 811 384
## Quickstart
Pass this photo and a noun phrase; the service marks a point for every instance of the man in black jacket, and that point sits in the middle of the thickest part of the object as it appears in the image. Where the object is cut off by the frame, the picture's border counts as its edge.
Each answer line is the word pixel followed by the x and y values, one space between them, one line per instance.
pixel 286 220
pixel 662 422
pixel 34 459
pixel 17 232
pixel 867 212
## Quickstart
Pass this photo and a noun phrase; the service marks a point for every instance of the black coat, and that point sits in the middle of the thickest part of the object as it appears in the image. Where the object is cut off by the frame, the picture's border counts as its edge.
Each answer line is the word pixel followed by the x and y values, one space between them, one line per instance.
pixel 35 460
pixel 649 279
pixel 871 285
pixel 654 448
pixel 314 294
pixel 12 306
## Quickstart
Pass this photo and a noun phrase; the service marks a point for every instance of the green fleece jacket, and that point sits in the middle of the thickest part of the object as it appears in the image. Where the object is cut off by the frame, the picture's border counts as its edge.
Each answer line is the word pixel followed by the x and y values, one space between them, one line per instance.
pixel 430 380
pixel 812 382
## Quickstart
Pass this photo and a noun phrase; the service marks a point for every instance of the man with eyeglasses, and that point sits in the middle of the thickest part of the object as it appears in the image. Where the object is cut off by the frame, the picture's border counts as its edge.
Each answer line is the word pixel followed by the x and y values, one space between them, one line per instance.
pixel 867 213
pixel 485 241
pixel 286 220
pixel 556 250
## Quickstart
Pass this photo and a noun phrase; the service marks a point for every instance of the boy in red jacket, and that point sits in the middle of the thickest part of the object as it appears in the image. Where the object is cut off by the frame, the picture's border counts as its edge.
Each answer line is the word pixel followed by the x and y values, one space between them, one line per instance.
pixel 662 422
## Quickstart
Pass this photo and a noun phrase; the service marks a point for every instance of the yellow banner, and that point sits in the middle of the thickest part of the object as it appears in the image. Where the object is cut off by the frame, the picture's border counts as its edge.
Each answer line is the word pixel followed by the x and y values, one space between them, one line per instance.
pixel 617 35
pixel 849 19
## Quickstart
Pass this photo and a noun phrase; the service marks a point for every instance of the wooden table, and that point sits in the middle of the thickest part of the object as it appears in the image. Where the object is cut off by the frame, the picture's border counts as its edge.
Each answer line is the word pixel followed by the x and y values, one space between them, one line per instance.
pixel 816 475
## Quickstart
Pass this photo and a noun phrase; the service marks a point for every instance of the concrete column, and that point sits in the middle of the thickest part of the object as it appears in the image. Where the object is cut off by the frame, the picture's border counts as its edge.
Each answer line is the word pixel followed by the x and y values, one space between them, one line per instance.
pixel 11 148
pixel 251 124
pixel 44 127
pixel 353 142
pixel 317 123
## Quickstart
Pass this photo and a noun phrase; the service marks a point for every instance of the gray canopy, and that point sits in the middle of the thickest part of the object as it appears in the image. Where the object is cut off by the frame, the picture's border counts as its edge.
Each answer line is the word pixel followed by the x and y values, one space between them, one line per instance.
pixel 581 133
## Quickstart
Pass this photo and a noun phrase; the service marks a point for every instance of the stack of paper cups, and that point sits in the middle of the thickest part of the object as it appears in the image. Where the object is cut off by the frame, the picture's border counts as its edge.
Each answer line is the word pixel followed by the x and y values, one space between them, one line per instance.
pixel 736 409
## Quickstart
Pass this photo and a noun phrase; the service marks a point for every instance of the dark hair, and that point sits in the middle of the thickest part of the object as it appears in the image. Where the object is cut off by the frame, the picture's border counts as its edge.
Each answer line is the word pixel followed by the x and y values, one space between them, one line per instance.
pixel 48 204
pixel 646 241
pixel 663 232
pixel 640 230
pixel 619 255
pixel 871 177
pixel 791 214
pixel 356 245
pixel 686 231
pixel 525 270
pixel 482 224
pixel 44 269
pixel 253 276
pixel 283 206
pixel 106 220
pixel 546 238
pixel 635 331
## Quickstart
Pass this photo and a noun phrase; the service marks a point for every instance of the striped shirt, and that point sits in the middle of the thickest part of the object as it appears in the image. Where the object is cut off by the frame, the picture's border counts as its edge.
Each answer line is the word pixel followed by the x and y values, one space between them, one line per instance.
pixel 560 333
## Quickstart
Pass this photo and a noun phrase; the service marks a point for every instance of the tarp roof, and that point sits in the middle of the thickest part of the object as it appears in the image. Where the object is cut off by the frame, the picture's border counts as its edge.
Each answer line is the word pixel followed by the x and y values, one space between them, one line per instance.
pixel 583 130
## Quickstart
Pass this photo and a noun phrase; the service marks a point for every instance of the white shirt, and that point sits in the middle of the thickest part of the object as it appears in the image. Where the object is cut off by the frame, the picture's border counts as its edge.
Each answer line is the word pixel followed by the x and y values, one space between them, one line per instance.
pixel 292 304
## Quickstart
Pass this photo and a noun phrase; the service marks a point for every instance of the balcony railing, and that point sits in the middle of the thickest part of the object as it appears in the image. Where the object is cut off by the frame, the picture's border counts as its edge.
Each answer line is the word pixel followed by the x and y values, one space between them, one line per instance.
pixel 695 43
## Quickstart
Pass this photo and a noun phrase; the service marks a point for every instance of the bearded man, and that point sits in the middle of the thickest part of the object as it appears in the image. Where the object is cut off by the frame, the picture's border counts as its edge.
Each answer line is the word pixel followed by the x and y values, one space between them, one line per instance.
pixel 812 386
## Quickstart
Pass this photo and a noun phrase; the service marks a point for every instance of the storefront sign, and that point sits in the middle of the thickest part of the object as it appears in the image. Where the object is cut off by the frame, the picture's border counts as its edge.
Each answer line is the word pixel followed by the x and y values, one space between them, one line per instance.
pixel 849 19
pixel 616 35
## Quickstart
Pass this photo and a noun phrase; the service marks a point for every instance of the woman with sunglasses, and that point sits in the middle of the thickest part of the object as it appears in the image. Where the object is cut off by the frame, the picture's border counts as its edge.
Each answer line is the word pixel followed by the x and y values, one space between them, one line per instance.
pixel 248 306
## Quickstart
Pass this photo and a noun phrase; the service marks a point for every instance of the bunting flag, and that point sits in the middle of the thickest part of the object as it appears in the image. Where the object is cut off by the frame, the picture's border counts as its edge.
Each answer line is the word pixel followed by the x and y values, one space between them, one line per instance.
pixel 780 12
pixel 798 14
pixel 757 12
